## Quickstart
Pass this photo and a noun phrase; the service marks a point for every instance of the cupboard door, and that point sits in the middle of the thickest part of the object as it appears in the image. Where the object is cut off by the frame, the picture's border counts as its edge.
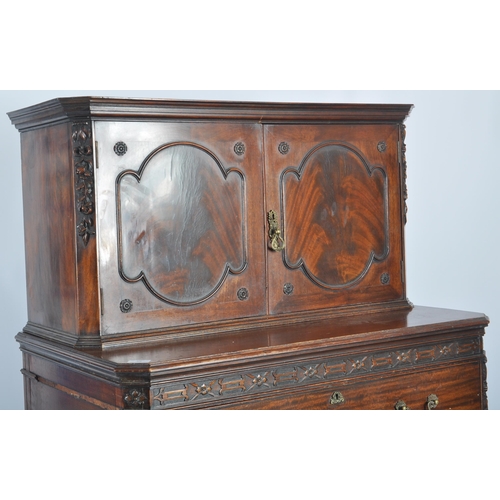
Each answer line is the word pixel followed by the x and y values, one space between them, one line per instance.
pixel 179 223
pixel 335 191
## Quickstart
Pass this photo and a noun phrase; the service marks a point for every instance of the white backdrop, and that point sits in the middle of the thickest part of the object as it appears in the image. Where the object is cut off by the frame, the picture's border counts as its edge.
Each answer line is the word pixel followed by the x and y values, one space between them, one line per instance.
pixel 452 235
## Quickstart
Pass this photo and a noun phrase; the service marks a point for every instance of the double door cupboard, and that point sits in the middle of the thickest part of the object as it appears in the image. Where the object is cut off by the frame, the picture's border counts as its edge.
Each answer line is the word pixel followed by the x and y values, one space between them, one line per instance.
pixel 185 254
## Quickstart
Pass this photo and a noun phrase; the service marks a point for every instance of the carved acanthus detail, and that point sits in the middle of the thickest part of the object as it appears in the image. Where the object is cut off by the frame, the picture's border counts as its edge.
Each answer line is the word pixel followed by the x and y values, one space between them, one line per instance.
pixel 403 167
pixel 485 382
pixel 84 179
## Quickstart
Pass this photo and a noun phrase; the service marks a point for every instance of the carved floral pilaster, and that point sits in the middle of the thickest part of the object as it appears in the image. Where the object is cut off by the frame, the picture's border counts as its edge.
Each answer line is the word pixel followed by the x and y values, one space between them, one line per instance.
pixel 403 167
pixel 83 161
pixel 485 381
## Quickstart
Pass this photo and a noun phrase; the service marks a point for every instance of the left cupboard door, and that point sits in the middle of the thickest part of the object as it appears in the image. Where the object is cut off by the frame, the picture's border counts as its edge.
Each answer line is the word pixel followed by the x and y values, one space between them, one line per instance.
pixel 180 216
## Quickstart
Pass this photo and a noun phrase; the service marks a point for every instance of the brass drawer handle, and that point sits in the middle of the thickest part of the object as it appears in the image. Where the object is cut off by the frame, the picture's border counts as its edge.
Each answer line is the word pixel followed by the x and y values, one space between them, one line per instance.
pixel 277 242
pixel 401 405
pixel 432 401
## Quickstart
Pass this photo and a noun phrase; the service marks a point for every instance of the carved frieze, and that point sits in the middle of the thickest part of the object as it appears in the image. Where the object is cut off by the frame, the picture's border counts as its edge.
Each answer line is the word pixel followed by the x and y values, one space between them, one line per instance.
pixel 273 378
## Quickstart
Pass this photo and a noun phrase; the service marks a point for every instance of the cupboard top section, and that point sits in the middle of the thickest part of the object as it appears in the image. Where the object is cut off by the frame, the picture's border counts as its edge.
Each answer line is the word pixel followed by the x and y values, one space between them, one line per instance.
pixel 108 108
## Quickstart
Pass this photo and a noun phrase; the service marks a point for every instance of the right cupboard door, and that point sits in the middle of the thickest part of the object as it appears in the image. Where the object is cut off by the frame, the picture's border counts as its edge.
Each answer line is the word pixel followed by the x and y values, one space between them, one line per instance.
pixel 333 203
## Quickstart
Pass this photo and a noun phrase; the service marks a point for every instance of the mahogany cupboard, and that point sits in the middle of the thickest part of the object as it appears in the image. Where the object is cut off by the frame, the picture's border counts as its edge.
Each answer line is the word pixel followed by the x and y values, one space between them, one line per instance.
pixel 186 254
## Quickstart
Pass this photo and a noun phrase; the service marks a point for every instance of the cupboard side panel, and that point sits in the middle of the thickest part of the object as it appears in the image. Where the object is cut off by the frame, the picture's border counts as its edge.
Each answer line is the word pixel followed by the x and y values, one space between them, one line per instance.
pixel 49 225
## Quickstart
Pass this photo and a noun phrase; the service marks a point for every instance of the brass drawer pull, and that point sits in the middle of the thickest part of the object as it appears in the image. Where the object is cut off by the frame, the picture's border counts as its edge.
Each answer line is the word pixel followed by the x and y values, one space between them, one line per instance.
pixel 277 242
pixel 401 405
pixel 432 402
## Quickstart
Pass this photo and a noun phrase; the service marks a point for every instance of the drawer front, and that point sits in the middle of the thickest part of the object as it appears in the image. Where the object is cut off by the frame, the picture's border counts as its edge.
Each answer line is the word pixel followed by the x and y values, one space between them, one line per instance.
pixel 453 388
pixel 365 379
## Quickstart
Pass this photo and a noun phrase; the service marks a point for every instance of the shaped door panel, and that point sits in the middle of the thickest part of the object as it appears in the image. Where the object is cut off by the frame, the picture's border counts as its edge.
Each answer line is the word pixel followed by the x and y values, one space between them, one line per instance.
pixel 336 191
pixel 192 234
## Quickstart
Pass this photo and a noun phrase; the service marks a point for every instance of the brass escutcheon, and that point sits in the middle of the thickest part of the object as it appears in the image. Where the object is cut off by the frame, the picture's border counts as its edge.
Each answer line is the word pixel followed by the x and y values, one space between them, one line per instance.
pixel 277 243
pixel 336 398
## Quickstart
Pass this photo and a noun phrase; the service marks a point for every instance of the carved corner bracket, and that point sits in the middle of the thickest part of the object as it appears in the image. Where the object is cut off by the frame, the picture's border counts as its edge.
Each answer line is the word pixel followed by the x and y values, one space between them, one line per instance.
pixel 83 161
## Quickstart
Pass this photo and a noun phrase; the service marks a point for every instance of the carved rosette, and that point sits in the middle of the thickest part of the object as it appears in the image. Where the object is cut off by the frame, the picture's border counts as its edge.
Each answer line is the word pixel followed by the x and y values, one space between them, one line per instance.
pixel 126 305
pixel 120 148
pixel 403 167
pixel 83 161
pixel 239 148
pixel 284 148
pixel 136 399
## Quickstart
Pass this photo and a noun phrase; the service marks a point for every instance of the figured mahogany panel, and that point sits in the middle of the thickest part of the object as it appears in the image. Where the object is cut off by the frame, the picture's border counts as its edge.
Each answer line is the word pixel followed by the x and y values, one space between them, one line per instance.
pixel 334 209
pixel 180 224
pixel 336 190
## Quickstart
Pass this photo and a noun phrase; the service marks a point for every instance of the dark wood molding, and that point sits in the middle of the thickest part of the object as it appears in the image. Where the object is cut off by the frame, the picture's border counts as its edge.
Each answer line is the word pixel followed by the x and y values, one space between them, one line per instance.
pixel 83 108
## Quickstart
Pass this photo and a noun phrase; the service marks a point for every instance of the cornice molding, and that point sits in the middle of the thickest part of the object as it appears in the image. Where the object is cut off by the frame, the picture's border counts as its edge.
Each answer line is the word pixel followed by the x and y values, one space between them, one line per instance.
pixel 109 108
